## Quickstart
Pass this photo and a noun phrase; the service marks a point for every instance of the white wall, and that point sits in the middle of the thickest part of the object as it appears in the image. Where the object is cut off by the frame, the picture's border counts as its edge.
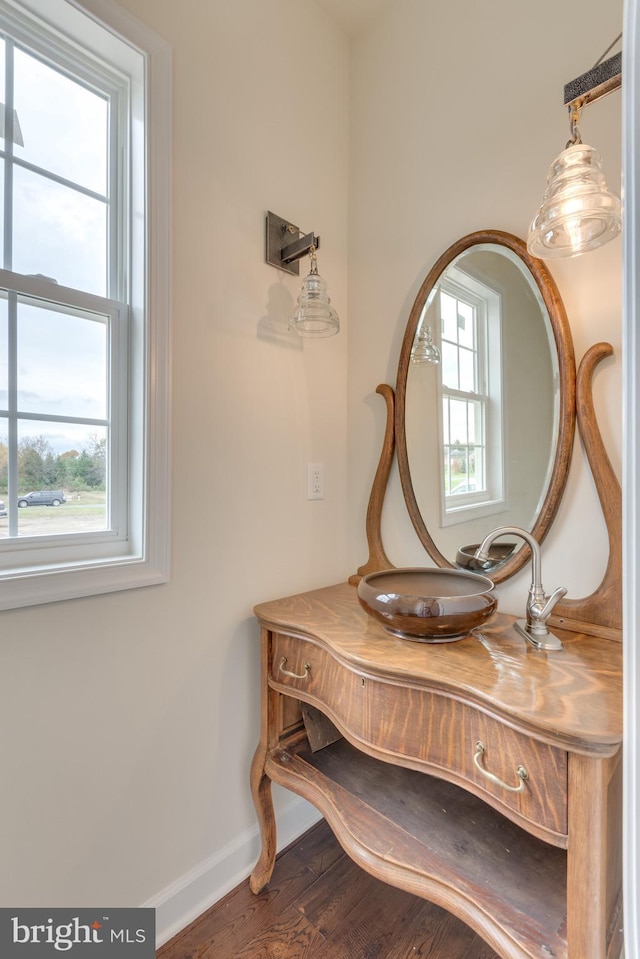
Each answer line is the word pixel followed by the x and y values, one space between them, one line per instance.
pixel 631 466
pixel 129 720
pixel 457 114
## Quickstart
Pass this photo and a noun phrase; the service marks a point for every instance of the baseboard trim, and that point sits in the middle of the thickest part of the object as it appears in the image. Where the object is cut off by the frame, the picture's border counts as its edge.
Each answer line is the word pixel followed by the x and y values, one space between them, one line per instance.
pixel 188 897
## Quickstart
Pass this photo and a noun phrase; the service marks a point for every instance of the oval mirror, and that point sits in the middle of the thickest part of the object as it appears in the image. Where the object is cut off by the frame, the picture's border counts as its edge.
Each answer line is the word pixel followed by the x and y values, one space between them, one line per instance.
pixel 485 401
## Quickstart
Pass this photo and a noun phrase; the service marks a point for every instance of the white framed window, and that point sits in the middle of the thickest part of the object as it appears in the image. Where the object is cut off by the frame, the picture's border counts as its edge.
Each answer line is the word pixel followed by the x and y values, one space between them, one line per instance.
pixel 471 427
pixel 84 301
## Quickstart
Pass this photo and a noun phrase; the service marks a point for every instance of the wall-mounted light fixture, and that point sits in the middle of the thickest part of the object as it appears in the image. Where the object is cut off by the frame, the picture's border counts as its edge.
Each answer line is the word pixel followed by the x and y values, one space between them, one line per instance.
pixel 424 349
pixel 578 212
pixel 314 315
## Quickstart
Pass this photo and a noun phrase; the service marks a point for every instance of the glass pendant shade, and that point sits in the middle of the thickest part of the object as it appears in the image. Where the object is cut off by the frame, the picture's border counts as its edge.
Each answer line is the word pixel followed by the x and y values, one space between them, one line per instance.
pixel 425 350
pixel 578 212
pixel 314 315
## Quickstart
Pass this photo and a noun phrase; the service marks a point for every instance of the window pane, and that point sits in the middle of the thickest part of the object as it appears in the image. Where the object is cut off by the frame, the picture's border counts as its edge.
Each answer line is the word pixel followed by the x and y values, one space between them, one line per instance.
pixel 64 458
pixel 476 472
pixel 472 411
pixel 64 125
pixel 472 484
pixel 62 363
pixel 466 324
pixel 458 413
pixel 4 356
pixel 2 71
pixel 447 471
pixel 2 143
pixel 448 314
pixel 467 371
pixel 2 208
pixel 4 477
pixel 2 93
pixel 458 470
pixel 59 233
pixel 449 355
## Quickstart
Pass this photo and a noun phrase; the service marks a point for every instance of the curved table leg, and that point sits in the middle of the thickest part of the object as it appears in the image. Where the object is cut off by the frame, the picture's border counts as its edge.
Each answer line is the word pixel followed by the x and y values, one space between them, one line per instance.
pixel 260 782
pixel 261 791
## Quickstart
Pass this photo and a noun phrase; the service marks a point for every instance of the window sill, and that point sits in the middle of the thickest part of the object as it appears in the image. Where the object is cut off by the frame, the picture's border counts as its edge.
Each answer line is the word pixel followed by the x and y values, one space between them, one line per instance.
pixel 54 584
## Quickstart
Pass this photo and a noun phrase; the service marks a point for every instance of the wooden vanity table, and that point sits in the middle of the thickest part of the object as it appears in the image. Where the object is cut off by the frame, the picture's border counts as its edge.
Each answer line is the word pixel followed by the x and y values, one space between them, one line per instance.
pixel 532 865
pixel 482 774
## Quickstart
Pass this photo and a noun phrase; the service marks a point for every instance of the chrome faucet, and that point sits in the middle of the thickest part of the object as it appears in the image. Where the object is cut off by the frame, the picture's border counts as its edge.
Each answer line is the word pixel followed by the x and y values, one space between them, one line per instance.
pixel 539 605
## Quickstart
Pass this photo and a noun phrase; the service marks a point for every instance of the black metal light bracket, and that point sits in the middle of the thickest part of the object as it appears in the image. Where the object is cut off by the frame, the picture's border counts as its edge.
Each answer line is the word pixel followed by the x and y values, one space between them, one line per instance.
pixel 284 245
pixel 595 83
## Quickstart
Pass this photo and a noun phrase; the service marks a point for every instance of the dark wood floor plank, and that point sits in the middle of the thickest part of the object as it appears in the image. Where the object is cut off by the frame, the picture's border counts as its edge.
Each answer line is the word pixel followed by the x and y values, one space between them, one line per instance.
pixel 369 929
pixel 319 849
pixel 478 950
pixel 227 926
pixel 328 903
pixel 428 931
pixel 320 905
pixel 290 936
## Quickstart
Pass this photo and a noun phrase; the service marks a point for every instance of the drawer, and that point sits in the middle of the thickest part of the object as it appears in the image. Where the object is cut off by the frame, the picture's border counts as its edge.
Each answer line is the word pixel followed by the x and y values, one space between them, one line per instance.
pixel 426 729
pixel 444 734
pixel 306 671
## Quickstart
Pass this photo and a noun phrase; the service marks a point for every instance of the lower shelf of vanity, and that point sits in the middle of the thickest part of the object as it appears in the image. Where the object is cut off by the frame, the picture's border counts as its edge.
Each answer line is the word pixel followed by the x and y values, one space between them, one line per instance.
pixel 437 841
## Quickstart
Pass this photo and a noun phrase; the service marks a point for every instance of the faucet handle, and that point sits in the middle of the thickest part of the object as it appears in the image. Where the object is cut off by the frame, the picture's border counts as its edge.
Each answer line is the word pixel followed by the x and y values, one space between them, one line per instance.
pixel 555 597
pixel 534 628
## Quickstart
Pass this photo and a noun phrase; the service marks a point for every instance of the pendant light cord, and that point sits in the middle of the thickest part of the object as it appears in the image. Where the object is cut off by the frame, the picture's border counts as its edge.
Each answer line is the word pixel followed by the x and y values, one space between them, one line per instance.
pixel 610 47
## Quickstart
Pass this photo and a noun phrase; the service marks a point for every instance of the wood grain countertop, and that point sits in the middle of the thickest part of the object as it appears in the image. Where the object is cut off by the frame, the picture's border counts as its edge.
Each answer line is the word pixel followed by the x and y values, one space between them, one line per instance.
pixel 570 698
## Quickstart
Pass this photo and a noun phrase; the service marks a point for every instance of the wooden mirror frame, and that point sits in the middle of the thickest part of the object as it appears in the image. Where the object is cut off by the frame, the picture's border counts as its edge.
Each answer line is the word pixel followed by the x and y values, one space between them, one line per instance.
pixel 567 387
pixel 599 613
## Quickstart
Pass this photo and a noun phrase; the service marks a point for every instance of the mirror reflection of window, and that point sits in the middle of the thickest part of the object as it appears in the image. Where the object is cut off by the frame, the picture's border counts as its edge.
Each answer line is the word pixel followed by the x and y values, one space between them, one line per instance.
pixel 469 324
pixel 512 416
pixel 462 397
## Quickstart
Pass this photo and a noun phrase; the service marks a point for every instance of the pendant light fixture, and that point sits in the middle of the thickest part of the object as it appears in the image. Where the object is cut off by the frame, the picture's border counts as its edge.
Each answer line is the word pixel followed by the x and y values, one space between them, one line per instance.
pixel 578 211
pixel 313 316
pixel 424 349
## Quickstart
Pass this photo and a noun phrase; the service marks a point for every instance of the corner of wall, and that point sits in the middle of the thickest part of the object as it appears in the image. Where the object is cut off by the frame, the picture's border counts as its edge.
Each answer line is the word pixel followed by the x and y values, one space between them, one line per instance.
pixel 180 903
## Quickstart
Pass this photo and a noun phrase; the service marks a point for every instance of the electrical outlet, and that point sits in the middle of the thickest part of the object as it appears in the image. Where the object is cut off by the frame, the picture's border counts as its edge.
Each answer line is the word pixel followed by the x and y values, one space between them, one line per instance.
pixel 315 481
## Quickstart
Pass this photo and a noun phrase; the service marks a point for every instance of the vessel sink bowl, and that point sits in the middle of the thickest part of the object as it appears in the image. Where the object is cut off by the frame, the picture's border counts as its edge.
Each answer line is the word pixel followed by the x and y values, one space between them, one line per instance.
pixel 499 553
pixel 427 605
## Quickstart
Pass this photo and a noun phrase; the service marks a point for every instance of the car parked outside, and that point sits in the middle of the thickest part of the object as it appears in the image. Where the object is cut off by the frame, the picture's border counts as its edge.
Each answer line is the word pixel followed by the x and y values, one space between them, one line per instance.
pixel 3 511
pixel 46 497
pixel 464 487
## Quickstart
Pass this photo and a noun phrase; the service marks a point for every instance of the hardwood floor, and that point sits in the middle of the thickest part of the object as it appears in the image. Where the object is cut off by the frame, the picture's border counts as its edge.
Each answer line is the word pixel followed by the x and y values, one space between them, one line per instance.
pixel 320 905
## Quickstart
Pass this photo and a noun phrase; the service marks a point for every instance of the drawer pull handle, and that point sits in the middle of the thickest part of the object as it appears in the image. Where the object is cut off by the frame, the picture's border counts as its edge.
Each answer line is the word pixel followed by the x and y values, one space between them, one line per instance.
pixel 307 670
pixel 521 772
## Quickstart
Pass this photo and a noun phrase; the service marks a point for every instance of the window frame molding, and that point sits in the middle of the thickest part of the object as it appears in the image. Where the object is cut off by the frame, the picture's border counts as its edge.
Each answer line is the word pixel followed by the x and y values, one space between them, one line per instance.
pixel 147 561
pixel 488 302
